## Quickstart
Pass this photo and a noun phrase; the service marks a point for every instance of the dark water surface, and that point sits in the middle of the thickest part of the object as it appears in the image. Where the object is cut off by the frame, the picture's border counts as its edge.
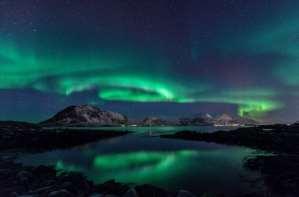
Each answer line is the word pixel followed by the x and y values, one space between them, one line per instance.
pixel 168 163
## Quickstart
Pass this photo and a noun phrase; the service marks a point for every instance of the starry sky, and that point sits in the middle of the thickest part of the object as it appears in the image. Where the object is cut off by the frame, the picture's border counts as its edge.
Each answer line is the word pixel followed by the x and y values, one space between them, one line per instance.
pixel 167 58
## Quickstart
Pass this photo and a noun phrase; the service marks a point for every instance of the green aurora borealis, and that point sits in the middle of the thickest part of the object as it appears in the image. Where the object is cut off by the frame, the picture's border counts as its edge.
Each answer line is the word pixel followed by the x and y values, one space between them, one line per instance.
pixel 254 69
pixel 21 69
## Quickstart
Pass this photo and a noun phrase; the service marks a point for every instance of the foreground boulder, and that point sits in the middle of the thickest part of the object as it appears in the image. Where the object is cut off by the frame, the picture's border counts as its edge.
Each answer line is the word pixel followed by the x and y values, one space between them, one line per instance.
pixel 149 191
pixel 184 193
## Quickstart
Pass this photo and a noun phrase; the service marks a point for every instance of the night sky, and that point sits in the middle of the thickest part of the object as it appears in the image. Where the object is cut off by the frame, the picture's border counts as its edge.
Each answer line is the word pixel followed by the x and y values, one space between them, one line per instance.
pixel 167 58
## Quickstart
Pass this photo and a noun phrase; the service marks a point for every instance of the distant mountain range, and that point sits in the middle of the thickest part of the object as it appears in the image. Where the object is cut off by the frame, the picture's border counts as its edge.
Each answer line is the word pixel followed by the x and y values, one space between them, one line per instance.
pixel 205 119
pixel 226 120
pixel 222 120
pixel 88 115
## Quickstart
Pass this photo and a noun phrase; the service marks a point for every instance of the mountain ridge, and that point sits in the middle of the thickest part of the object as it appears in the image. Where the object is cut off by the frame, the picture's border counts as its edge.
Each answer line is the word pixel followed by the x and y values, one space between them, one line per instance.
pixel 85 115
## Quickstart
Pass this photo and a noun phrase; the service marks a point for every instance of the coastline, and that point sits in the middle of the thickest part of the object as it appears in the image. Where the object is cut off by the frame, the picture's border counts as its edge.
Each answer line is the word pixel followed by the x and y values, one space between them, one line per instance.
pixel 17 179
pixel 280 170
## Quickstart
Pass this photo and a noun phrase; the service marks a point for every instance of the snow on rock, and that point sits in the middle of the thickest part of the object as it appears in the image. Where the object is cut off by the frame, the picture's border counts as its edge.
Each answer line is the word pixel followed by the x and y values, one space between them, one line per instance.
pixel 86 114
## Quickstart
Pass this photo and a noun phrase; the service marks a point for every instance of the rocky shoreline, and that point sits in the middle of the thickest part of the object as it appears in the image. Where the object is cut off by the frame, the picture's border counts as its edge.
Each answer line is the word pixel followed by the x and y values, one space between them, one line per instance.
pixel 20 135
pixel 17 180
pixel 272 138
pixel 280 169
pixel 45 181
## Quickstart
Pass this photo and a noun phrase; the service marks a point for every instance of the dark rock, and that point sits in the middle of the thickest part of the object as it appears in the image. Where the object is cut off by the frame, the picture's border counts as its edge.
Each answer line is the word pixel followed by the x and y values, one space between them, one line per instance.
pixel 44 170
pixel 96 195
pixel 281 170
pixel 5 173
pixel 184 193
pixel 269 138
pixel 131 193
pixel 281 173
pixel 32 137
pixel 67 185
pixel 60 193
pixel 112 187
pixel 75 183
pixel 44 181
pixel 151 191
pixel 24 176
pixel 42 190
pixel 16 125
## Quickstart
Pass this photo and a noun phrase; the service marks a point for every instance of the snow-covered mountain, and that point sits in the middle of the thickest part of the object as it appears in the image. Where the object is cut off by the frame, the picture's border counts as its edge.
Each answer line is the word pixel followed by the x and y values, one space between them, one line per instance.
pixel 227 120
pixel 153 121
pixel 221 120
pixel 198 119
pixel 86 115
pixel 224 119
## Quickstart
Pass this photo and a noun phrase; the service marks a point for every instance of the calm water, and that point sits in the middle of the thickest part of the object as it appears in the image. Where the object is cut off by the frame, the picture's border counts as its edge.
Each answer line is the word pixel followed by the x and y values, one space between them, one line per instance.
pixel 157 130
pixel 173 164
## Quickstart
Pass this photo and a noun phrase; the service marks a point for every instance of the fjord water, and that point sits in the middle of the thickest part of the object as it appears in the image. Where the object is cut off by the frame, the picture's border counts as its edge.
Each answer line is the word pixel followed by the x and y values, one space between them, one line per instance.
pixel 173 164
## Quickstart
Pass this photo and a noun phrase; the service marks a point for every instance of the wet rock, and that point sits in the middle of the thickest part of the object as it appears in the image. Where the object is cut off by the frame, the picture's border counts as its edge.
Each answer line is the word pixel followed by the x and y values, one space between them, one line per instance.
pixel 7 158
pixel 112 187
pixel 24 176
pixel 150 191
pixel 12 190
pixel 96 195
pixel 44 170
pixel 74 182
pixel 131 193
pixel 184 193
pixel 67 185
pixel 281 173
pixel 42 190
pixel 60 193
pixel 49 182
pixel 5 172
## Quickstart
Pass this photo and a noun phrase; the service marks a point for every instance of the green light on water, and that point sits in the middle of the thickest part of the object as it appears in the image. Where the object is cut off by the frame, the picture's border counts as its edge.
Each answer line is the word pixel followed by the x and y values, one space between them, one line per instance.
pixel 142 166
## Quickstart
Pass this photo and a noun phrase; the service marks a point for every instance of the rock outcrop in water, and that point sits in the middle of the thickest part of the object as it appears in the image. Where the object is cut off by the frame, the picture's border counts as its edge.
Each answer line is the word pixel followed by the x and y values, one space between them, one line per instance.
pixel 85 115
